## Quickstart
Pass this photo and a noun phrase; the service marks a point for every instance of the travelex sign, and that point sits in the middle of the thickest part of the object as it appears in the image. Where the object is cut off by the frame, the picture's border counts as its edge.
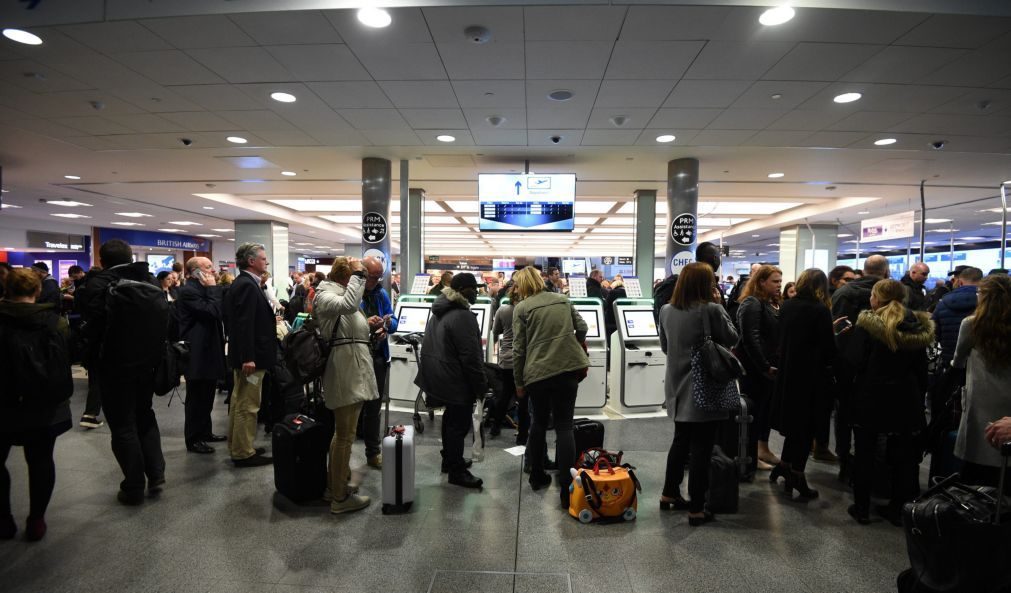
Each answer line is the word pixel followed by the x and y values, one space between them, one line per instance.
pixel 45 240
pixel 158 240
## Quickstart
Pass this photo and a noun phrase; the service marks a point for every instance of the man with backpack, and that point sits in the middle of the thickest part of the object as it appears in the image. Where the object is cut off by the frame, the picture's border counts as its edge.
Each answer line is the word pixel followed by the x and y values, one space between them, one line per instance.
pixel 125 331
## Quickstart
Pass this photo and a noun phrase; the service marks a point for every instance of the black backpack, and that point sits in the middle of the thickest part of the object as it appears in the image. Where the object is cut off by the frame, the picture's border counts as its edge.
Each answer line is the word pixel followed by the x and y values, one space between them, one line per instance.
pixel 137 326
pixel 37 360
pixel 306 352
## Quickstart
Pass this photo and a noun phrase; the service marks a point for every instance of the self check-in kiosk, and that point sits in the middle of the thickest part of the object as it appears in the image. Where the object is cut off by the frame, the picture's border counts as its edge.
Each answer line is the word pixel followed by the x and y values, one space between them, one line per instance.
pixel 593 389
pixel 638 365
pixel 412 314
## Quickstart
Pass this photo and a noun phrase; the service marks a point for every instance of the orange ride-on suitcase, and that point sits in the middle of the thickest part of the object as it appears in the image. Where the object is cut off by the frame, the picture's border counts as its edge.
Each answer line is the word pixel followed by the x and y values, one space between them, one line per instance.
pixel 604 491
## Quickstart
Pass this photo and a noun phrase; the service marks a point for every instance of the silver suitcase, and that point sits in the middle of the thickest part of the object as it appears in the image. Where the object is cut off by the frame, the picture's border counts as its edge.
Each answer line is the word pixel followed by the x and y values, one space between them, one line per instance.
pixel 398 470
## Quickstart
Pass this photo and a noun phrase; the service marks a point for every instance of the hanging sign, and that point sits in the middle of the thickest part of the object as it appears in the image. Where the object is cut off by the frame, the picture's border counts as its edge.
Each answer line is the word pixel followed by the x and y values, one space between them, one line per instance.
pixel 373 227
pixel 896 226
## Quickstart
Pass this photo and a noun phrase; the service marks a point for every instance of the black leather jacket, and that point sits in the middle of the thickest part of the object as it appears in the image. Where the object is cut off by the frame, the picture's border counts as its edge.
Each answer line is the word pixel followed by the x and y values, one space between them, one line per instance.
pixel 759 323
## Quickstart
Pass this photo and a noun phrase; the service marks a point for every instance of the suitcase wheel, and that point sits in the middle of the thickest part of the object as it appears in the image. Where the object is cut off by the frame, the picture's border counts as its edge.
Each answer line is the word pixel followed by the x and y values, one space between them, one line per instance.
pixel 585 516
pixel 629 514
pixel 419 424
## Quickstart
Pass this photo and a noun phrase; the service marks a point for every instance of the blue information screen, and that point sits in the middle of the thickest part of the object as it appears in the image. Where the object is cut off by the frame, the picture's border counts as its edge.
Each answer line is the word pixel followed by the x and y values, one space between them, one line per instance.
pixel 511 202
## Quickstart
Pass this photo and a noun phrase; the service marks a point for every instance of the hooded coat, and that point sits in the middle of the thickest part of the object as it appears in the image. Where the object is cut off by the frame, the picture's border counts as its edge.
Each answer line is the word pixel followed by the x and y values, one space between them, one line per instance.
pixel 452 363
pixel 349 377
pixel 948 315
pixel 890 385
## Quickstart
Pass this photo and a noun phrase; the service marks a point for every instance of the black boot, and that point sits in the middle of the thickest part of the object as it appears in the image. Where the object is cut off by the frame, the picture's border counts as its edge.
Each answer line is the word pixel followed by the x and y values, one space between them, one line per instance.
pixel 798 481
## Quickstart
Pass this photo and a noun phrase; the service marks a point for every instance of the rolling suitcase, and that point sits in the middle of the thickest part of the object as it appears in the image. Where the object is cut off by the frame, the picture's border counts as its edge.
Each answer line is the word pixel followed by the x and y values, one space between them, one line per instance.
pixel 724 483
pixel 300 446
pixel 398 467
pixel 957 538
pixel 732 438
pixel 588 434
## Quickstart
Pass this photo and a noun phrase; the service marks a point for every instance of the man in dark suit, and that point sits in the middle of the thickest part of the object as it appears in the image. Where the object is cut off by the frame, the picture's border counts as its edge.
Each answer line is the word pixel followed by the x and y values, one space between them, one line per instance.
pixel 252 349
pixel 50 285
pixel 198 308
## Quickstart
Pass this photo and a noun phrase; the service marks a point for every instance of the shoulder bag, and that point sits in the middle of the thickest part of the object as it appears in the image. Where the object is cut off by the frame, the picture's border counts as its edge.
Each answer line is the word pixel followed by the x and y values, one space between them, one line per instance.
pixel 715 371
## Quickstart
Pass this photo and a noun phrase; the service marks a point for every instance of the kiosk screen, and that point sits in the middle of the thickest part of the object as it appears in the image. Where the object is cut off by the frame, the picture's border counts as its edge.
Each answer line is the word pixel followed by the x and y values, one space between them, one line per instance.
pixel 413 319
pixel 592 318
pixel 639 324
pixel 479 314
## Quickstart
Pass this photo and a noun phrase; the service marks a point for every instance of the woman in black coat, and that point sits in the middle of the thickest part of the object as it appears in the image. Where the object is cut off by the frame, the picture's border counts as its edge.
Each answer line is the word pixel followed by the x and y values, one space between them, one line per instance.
pixel 758 320
pixel 803 385
pixel 888 350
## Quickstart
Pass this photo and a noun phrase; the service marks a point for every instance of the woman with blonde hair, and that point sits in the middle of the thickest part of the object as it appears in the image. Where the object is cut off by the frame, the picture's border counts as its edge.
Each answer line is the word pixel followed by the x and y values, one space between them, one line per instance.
pixel 803 388
pixel 548 364
pixel 349 380
pixel 758 321
pixel 888 351
pixel 984 349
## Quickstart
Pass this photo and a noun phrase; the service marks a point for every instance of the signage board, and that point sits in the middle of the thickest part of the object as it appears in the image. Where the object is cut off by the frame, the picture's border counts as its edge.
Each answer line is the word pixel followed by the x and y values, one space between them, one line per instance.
pixel 896 226
pixel 607 260
pixel 577 287
pixel 680 260
pixel 626 261
pixel 682 229
pixel 45 240
pixel 154 239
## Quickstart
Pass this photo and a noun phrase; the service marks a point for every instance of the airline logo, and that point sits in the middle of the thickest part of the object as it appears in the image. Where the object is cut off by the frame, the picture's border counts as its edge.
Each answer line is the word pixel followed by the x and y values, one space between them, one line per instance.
pixel 538 183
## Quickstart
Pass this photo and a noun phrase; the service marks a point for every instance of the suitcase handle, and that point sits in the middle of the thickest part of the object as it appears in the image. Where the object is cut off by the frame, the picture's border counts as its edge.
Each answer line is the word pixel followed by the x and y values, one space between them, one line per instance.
pixel 596 465
pixel 590 491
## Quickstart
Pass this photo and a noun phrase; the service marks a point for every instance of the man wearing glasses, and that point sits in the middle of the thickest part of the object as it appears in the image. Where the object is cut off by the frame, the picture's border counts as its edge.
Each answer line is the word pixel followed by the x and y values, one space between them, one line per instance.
pixel 379 310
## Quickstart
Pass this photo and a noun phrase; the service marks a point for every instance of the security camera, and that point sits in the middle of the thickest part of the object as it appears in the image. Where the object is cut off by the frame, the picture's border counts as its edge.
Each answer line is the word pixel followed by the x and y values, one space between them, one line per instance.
pixel 477 34
pixel 938 144
pixel 186 141
pixel 556 139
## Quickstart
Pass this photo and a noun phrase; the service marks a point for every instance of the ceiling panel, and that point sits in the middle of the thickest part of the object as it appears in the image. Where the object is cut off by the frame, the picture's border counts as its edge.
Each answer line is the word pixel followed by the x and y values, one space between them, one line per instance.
pixel 242 64
pixel 844 25
pixel 291 27
pixel 568 117
pixel 633 93
pixel 70 103
pixel 338 137
pixel 463 137
pixel 257 120
pixel 490 93
pixel 978 102
pixel 35 77
pixel 545 137
pixel 193 32
pixel 217 97
pixel 351 94
pixel 448 24
pixel 319 62
pixel 96 70
pixel 420 94
pixel 400 61
pixel 154 98
pixel 721 137
pixel 901 64
pixel 663 60
pixel 374 119
pixel 116 36
pixel 610 137
pixel 199 121
pixel 171 67
pixel 430 119
pixel 573 23
pixel 706 93
pixel 790 94
pixel 977 68
pixel 870 121
pixel 969 125
pixel 670 23
pixel 733 60
pixel 777 138
pixel 98 126
pixel 820 61
pixel 634 118
pixel 684 118
pixel 684 137
pixel 883 97
pixel 287 138
pixel 408 26
pixel 500 137
pixel 496 60
pixel 146 123
pixel 956 30
pixel 515 119
pixel 567 59
pixel 745 119
pixel 833 139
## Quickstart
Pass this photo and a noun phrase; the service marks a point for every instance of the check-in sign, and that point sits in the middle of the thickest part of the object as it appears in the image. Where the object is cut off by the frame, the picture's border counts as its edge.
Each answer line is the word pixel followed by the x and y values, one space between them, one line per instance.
pixel 896 226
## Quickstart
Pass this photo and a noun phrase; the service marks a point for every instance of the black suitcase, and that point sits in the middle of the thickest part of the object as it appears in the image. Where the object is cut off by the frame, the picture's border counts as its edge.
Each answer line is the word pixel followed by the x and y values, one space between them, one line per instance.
pixel 589 434
pixel 732 436
pixel 300 446
pixel 724 484
pixel 957 538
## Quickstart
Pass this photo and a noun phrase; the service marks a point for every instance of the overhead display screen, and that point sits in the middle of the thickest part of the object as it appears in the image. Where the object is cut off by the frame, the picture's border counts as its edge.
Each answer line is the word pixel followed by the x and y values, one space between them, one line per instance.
pixel 639 323
pixel 413 319
pixel 519 202
pixel 592 319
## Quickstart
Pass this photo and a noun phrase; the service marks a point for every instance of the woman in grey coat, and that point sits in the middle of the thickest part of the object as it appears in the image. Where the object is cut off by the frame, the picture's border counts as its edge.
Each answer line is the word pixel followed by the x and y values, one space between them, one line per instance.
pixel 984 349
pixel 681 321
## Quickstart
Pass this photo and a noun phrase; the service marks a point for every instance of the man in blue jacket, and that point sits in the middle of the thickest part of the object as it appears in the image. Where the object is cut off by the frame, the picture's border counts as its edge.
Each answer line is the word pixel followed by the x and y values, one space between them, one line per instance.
pixel 379 310
pixel 953 308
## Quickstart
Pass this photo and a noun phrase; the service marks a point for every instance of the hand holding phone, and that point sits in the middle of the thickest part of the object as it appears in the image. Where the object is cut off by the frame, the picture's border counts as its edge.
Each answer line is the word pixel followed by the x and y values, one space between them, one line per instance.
pixel 841 325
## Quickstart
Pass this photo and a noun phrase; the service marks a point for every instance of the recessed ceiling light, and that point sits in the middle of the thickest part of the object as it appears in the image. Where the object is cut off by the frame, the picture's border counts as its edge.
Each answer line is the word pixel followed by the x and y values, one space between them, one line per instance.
pixel 773 245
pixel 75 177
pixel 844 235
pixel 776 16
pixel 5 206
pixel 184 223
pixel 665 138
pixel 223 230
pixel 208 236
pixel 374 17
pixel 847 97
pixel 776 97
pixel 171 230
pixel 208 207
pixel 22 37
pixel 997 223
pixel 885 141
pixel 133 214
pixel 864 212
pixel 283 97
pixel 1008 182
pixel 445 138
pixel 303 244
pixel 236 139
pixel 288 173
pixel 69 215
pixel 776 175
pixel 972 238
pixel 561 95
pixel 943 230
pixel 937 220
pixel 756 235
pixel 126 223
pixel 67 203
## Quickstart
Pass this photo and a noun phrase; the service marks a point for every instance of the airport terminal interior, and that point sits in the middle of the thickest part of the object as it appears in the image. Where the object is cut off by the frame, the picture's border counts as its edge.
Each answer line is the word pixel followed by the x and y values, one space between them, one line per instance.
pixel 602 140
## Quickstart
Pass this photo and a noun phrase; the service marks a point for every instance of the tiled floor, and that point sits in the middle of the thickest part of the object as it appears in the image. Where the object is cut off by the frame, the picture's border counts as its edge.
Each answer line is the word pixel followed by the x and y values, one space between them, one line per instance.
pixel 217 529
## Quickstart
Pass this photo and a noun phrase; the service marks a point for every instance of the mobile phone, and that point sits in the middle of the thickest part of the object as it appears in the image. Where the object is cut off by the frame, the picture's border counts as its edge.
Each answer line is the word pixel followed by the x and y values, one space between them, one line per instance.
pixel 841 325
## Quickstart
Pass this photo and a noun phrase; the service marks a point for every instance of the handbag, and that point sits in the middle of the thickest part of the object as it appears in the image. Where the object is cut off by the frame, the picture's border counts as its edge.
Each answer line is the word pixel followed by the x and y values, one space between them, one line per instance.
pixel 715 371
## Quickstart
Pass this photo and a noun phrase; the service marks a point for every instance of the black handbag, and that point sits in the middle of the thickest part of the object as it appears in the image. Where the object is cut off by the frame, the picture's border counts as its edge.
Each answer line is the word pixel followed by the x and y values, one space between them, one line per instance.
pixel 719 363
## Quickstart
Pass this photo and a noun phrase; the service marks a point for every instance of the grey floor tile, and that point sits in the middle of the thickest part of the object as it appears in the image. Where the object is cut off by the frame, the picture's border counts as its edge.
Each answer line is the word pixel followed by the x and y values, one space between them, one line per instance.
pixel 471 582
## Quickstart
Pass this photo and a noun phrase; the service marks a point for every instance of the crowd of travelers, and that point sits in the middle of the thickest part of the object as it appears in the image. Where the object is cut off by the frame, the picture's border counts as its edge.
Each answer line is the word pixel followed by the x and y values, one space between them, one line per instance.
pixel 854 344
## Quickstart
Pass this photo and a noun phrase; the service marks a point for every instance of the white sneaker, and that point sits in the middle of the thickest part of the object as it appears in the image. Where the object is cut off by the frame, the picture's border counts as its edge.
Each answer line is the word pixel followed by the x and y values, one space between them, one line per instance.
pixel 91 422
pixel 353 502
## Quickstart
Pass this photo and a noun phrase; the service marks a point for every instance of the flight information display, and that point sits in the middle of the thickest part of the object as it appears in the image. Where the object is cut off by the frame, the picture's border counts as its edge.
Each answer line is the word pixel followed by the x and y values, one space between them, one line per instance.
pixel 526 202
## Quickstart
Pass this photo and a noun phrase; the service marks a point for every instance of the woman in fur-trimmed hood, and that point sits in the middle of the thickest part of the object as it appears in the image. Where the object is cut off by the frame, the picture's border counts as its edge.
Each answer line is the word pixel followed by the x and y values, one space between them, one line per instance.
pixel 889 353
